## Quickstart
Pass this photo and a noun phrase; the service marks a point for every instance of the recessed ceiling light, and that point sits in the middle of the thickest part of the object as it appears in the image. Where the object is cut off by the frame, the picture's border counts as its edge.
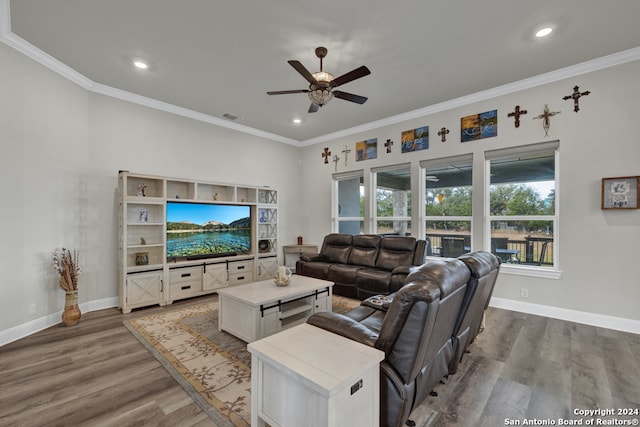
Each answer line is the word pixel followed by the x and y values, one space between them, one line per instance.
pixel 544 32
pixel 297 121
pixel 140 64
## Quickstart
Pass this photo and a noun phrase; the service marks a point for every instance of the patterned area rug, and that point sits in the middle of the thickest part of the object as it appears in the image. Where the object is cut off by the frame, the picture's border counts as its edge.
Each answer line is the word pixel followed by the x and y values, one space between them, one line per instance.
pixel 213 367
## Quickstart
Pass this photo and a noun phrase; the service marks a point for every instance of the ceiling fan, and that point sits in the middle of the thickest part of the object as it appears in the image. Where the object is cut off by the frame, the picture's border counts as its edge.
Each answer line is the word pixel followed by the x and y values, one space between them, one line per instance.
pixel 321 84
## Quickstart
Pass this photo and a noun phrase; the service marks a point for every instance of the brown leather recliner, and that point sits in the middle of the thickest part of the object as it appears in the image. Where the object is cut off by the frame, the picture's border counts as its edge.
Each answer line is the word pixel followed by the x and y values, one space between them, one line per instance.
pixel 484 268
pixel 414 333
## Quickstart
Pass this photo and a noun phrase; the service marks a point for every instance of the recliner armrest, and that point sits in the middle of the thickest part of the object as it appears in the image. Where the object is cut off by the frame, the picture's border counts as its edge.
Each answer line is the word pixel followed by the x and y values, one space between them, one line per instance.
pixel 344 326
pixel 312 257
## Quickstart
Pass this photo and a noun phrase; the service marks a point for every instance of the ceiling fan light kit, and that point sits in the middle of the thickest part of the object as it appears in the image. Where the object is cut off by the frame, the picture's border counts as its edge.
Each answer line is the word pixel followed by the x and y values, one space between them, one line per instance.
pixel 322 83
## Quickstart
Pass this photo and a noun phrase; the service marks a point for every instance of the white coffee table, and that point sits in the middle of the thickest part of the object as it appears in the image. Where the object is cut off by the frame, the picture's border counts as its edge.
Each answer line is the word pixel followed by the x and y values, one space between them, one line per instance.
pixel 306 376
pixel 260 309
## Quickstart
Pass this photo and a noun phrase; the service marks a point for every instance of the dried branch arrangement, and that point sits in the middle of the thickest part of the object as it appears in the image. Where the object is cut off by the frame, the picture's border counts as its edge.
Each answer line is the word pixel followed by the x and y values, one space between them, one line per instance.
pixel 66 264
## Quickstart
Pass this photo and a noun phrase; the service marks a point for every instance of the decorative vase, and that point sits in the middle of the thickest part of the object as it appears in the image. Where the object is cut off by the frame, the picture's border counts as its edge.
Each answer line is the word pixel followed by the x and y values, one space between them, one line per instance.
pixel 71 314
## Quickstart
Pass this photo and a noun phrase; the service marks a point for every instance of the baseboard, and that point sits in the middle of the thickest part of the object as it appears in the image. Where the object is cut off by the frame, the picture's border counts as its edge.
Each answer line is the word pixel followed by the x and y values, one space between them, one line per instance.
pixel 593 319
pixel 26 329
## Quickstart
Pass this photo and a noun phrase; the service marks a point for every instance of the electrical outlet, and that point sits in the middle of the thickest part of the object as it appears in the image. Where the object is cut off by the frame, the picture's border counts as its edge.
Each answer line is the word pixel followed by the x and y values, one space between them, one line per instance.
pixel 524 293
pixel 32 309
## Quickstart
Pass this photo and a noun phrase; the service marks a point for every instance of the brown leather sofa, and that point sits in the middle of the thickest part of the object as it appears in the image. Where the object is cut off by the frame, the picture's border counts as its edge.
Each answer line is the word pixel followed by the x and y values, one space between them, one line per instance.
pixel 363 265
pixel 423 328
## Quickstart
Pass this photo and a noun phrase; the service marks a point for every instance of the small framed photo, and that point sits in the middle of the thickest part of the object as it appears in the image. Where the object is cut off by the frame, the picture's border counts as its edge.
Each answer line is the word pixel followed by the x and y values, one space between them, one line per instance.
pixel 620 193
pixel 143 215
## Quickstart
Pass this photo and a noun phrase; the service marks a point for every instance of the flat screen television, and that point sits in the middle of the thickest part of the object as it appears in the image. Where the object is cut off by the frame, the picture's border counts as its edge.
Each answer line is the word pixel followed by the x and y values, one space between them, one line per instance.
pixel 202 230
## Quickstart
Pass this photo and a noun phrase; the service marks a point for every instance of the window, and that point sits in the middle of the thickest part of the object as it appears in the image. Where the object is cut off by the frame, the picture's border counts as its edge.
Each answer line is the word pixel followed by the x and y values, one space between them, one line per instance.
pixel 448 205
pixel 522 211
pixel 393 200
pixel 349 203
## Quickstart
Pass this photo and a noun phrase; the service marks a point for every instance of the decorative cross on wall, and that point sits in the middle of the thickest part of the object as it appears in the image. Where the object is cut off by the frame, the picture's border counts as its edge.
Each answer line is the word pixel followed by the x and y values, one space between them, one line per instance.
pixel 346 151
pixel 442 133
pixel 576 96
pixel 336 159
pixel 388 145
pixel 326 153
pixel 546 118
pixel 517 113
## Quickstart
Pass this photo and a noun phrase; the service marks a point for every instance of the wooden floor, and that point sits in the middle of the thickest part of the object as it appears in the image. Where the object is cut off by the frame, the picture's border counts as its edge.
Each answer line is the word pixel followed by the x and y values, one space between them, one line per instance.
pixel 521 367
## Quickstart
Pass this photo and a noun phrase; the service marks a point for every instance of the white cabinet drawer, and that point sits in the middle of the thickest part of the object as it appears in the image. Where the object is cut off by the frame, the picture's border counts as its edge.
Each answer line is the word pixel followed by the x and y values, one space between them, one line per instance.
pixel 185 282
pixel 240 267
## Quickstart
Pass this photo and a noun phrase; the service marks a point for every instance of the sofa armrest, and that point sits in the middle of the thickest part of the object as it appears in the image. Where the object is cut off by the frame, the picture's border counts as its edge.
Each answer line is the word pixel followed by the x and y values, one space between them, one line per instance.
pixel 311 257
pixel 344 326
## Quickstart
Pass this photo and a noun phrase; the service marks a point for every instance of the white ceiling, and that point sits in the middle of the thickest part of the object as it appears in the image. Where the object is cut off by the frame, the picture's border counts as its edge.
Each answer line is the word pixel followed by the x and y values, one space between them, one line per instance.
pixel 209 58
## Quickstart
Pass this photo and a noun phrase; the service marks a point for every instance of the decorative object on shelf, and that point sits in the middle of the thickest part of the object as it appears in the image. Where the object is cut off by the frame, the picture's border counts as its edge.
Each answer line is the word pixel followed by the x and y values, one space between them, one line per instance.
pixel 346 151
pixel 620 192
pixel 143 241
pixel 284 276
pixel 479 126
pixel 215 196
pixel 546 118
pixel 366 150
pixel 326 153
pixel 143 215
pixel 142 258
pixel 264 246
pixel 66 264
pixel 141 187
pixel 299 240
pixel 516 115
pixel 388 145
pixel 442 133
pixel 415 139
pixel 335 160
pixel 576 97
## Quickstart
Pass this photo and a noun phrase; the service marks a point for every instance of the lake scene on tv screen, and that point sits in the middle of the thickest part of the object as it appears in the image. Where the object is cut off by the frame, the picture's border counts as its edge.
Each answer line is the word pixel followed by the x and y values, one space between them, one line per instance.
pixel 203 229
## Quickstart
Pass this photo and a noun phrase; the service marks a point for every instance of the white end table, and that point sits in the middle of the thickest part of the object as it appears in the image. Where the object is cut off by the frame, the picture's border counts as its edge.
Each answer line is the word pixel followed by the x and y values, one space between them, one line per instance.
pixel 306 376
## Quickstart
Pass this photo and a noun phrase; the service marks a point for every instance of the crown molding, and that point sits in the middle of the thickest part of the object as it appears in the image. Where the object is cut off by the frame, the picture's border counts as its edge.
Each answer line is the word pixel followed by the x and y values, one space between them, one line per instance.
pixel 50 62
pixel 541 79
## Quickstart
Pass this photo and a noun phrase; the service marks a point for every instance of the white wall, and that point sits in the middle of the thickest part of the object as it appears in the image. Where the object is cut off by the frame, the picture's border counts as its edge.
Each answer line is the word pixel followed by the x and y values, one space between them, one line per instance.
pixel 599 282
pixel 62 148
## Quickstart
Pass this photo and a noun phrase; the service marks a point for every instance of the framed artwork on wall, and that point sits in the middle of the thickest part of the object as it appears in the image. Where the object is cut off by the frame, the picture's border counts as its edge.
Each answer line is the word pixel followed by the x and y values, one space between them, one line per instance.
pixel 620 192
pixel 367 150
pixel 479 126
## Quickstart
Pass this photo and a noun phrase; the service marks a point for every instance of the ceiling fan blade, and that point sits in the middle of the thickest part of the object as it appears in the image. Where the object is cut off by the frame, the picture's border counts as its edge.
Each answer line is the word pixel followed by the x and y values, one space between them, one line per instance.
pixel 285 92
pixel 303 71
pixel 350 97
pixel 350 76
pixel 313 108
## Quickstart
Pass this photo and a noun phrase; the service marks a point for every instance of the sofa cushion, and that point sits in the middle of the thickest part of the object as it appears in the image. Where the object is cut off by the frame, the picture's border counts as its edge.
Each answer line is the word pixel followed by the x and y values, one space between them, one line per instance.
pixel 372 281
pixel 395 251
pixel 336 248
pixel 343 273
pixel 364 250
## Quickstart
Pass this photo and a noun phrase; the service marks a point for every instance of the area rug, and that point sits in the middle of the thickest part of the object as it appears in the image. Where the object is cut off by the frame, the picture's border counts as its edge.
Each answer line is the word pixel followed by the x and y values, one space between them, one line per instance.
pixel 213 367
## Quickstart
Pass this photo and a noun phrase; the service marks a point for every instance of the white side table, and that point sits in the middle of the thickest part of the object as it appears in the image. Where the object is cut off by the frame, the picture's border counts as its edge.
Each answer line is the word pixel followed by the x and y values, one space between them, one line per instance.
pixel 293 252
pixel 306 376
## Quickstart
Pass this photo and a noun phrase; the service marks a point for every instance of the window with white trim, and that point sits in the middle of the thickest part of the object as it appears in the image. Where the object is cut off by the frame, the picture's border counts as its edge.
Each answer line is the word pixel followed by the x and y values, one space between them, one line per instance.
pixel 448 202
pixel 392 200
pixel 349 203
pixel 522 214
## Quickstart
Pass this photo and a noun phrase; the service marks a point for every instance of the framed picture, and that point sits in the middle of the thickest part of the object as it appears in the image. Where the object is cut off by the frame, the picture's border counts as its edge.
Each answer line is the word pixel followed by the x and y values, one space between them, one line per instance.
pixel 620 193
pixel 415 139
pixel 366 150
pixel 143 215
pixel 479 126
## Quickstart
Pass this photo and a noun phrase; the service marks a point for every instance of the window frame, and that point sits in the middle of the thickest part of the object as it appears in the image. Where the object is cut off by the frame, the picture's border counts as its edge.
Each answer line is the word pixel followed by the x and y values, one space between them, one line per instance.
pixel 374 199
pixel 554 271
pixel 335 200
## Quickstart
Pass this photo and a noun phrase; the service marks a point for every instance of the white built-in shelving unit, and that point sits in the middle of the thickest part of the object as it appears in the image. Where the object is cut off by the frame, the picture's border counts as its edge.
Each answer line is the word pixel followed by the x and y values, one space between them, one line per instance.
pixel 147 278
